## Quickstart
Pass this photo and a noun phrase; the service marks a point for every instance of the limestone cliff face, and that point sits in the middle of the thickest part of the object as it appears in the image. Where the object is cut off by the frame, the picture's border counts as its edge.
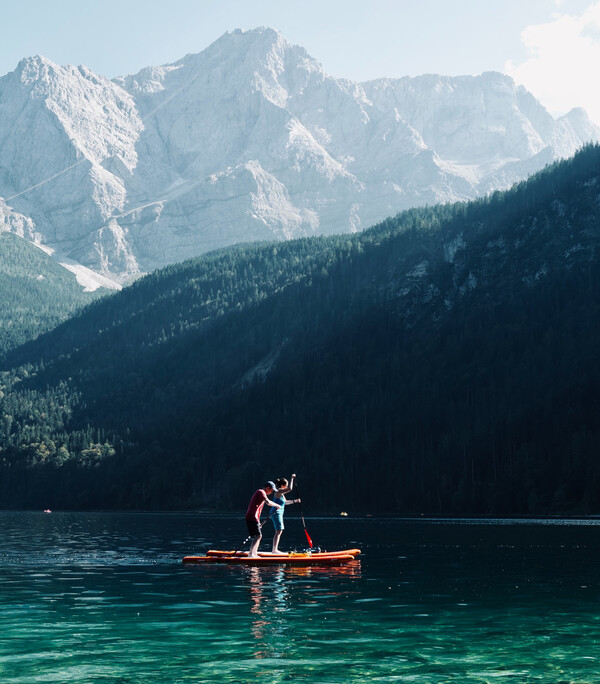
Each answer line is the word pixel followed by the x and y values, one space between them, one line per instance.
pixel 250 140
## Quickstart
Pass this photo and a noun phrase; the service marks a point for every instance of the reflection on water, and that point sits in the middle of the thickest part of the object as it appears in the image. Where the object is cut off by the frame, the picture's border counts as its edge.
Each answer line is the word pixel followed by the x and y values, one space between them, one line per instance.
pixel 268 596
pixel 351 569
pixel 104 597
pixel 271 599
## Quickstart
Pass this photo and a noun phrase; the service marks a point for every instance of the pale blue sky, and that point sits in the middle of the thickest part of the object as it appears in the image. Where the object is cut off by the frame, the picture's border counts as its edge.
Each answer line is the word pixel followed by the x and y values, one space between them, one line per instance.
pixel 358 40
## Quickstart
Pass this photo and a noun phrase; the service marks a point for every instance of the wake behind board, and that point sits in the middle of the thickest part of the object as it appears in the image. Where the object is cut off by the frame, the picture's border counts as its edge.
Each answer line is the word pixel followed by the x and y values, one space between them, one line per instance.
pixel 296 560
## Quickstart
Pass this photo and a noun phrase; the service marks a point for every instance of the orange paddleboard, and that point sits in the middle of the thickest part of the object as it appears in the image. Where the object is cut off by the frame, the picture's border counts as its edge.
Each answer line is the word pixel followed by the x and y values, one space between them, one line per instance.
pixel 299 559
pixel 291 554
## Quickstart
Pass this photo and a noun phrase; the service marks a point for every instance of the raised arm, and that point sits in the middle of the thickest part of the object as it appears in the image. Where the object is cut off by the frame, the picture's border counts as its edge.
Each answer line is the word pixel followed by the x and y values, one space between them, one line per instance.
pixel 285 490
pixel 292 480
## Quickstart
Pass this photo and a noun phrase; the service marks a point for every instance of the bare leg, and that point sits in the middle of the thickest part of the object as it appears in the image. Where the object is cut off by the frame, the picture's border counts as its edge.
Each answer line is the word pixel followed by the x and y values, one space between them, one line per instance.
pixel 276 538
pixel 253 552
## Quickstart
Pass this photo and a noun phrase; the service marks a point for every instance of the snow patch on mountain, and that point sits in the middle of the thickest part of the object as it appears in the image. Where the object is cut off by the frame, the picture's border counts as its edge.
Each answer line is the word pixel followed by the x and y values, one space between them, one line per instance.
pixel 88 279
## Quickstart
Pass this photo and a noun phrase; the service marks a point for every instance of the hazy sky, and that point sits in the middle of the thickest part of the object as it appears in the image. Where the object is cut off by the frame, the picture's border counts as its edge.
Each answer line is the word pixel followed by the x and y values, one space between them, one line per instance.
pixel 550 46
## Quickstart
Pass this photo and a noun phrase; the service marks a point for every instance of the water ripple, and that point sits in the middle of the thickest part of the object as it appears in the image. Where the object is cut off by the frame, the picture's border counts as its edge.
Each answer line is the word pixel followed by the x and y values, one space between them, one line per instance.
pixel 104 597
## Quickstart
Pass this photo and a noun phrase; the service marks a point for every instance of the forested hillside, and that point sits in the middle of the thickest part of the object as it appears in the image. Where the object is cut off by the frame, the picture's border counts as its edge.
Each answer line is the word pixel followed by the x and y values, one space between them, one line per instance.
pixel 36 293
pixel 444 361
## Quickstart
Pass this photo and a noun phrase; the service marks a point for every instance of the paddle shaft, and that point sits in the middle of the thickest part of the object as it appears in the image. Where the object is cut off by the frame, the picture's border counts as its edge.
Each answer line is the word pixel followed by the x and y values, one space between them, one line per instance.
pixel 241 546
pixel 310 541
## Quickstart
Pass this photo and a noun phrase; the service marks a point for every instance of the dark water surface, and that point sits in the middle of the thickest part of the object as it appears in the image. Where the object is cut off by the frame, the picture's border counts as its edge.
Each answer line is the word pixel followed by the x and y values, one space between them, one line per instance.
pixel 103 597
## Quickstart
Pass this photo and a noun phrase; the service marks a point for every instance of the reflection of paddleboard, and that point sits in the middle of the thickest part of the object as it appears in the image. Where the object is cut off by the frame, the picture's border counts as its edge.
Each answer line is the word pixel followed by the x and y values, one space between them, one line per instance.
pixel 297 559
pixel 291 554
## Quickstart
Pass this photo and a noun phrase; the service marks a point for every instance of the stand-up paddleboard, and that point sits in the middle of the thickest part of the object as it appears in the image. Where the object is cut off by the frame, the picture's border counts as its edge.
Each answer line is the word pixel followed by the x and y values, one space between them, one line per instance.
pixel 269 554
pixel 296 559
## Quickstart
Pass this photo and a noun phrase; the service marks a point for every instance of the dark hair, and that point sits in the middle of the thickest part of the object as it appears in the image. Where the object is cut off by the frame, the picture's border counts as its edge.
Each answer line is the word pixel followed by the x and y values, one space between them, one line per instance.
pixel 281 482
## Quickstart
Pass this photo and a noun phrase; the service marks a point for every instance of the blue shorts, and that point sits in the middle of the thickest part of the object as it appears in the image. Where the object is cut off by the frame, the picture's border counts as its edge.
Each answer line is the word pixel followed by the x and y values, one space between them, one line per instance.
pixel 277 518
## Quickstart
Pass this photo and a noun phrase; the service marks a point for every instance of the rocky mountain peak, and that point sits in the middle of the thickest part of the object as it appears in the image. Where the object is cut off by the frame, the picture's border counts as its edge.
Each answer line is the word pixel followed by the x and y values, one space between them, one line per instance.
pixel 250 140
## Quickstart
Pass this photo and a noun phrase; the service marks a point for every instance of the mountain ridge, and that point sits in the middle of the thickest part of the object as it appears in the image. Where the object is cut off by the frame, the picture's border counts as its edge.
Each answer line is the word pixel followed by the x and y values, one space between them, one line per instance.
pixel 247 140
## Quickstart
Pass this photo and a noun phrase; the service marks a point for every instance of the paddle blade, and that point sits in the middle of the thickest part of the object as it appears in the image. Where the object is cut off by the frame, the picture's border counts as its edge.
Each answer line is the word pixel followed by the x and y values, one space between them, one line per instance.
pixel 310 541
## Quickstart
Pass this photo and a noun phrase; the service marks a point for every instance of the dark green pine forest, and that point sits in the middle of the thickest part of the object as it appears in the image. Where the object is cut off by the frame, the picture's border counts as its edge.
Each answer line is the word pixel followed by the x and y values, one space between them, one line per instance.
pixel 446 361
pixel 36 293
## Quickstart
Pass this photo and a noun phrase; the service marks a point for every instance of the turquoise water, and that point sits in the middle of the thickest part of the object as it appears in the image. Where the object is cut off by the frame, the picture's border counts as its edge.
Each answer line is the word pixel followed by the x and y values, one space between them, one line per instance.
pixel 104 598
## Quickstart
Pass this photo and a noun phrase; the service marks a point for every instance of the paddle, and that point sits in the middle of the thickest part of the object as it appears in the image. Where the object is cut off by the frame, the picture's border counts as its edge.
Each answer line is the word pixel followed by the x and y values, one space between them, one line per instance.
pixel 310 541
pixel 241 546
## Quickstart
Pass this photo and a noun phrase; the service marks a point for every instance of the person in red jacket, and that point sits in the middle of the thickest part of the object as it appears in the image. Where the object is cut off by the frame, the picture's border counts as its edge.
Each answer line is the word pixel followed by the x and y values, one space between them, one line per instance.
pixel 257 502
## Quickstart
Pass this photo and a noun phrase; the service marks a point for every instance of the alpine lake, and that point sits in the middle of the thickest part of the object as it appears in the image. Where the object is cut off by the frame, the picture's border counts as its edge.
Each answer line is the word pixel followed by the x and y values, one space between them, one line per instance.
pixel 104 597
